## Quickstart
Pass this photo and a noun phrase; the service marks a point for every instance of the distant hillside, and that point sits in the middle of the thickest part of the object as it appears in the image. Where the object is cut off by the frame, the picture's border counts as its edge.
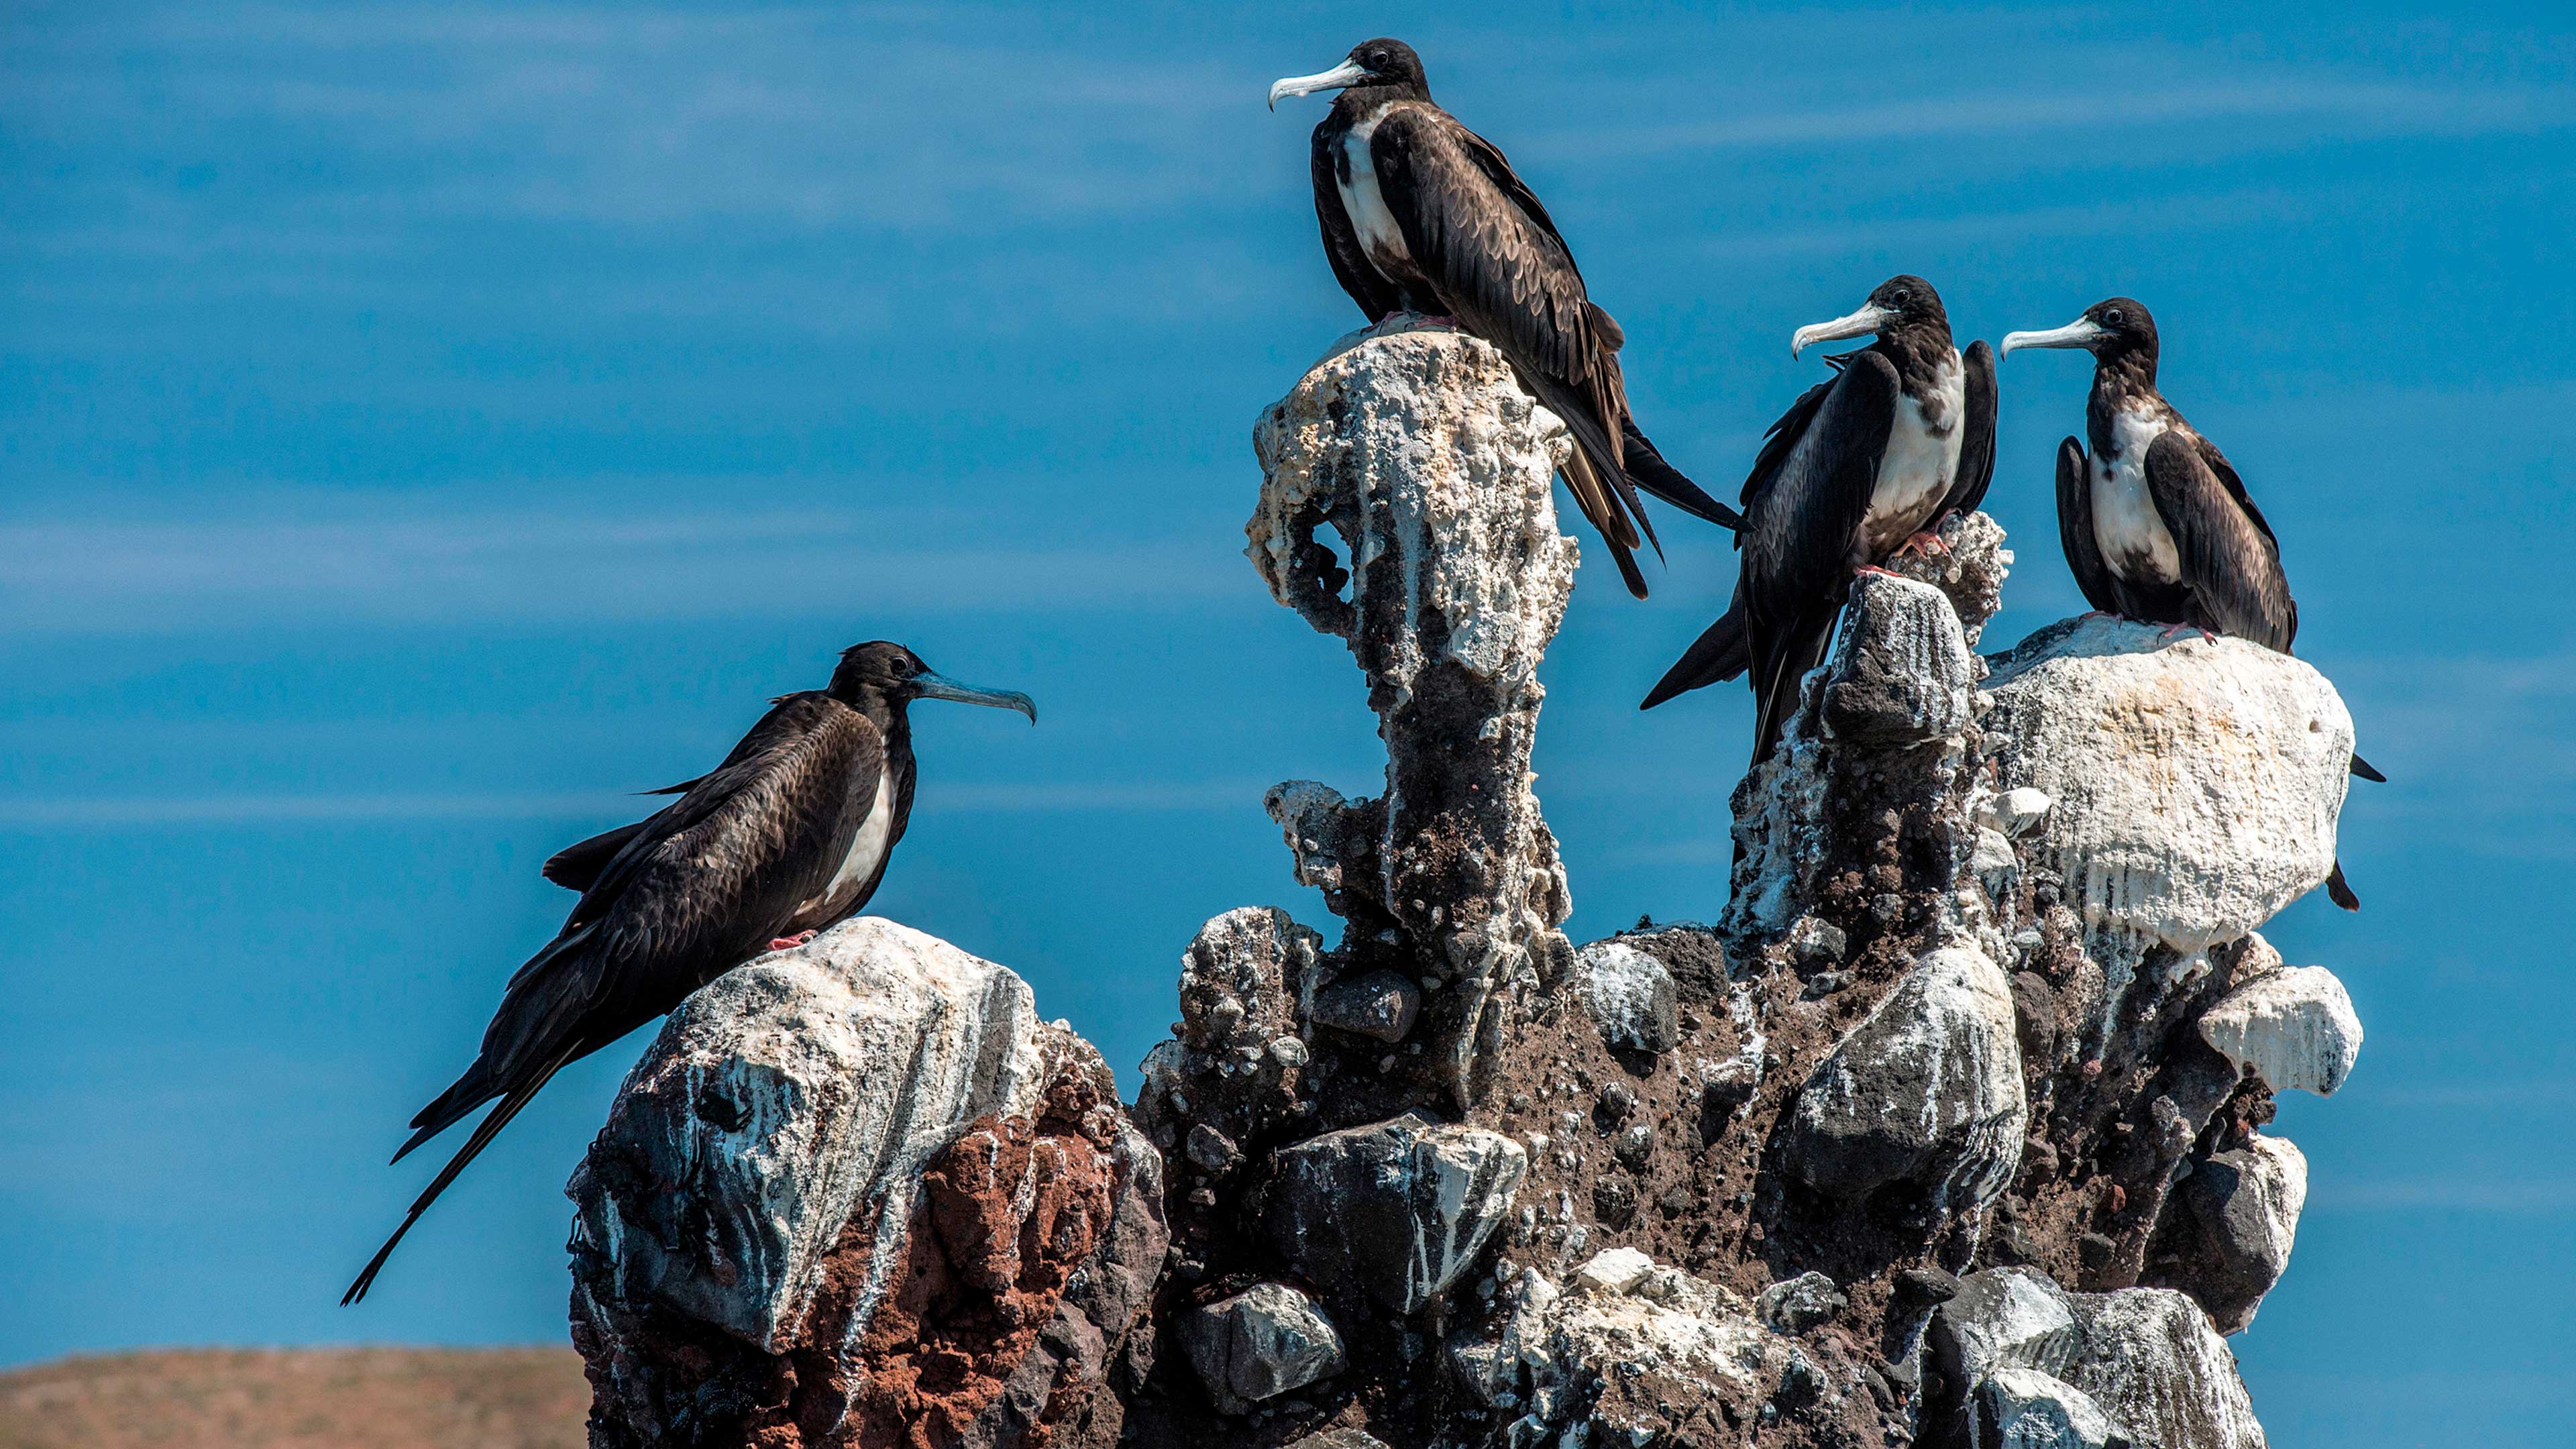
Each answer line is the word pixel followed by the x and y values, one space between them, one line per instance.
pixel 319 1398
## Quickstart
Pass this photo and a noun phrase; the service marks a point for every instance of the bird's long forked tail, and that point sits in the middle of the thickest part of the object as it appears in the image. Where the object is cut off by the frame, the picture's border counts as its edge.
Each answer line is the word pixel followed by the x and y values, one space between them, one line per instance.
pixel 2339 890
pixel 1775 692
pixel 2368 771
pixel 484 1131
pixel 1720 652
pixel 1648 470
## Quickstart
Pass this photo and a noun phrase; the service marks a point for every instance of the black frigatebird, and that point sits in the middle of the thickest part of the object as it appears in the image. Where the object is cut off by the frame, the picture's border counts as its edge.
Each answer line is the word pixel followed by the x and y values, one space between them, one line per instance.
pixel 789 835
pixel 1420 214
pixel 2156 524
pixel 1862 465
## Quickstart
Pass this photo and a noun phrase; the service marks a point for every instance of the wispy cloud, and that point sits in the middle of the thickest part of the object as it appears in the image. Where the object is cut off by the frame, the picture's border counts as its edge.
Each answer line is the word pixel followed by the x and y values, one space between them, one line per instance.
pixel 160 812
pixel 108 575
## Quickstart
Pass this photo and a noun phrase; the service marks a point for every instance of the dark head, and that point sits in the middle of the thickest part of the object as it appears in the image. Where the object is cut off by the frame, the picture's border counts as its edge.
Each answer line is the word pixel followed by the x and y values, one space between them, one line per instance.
pixel 1900 304
pixel 896 676
pixel 1382 66
pixel 2118 333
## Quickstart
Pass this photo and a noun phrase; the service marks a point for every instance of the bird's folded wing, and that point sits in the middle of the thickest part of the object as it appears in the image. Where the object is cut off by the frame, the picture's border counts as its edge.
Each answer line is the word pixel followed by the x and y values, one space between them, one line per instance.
pixel 1977 442
pixel 2228 558
pixel 1797 545
pixel 2075 530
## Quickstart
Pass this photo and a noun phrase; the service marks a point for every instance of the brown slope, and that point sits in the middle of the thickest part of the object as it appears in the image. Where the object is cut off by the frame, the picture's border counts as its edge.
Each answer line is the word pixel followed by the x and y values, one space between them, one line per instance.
pixel 331 1398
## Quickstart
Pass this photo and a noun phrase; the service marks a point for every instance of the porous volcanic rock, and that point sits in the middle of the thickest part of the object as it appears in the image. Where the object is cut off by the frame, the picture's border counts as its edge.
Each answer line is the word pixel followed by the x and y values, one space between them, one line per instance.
pixel 1417 447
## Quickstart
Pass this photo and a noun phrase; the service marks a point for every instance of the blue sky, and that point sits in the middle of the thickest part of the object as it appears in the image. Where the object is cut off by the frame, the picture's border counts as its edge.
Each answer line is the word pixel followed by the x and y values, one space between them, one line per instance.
pixel 421 425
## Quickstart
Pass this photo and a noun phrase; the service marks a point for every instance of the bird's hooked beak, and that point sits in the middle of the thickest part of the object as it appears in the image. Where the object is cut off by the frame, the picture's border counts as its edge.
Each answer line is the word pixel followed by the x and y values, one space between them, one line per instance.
pixel 2082 332
pixel 1862 323
pixel 927 685
pixel 1348 73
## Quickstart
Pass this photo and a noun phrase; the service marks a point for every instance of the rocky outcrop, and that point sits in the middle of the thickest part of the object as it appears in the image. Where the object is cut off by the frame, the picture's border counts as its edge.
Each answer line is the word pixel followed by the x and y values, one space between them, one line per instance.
pixel 1420 451
pixel 1947 1132
pixel 859 1190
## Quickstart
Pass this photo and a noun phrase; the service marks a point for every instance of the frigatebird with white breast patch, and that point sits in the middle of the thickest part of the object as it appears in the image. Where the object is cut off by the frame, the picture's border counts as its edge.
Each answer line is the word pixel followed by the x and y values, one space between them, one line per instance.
pixel 788 836
pixel 1420 214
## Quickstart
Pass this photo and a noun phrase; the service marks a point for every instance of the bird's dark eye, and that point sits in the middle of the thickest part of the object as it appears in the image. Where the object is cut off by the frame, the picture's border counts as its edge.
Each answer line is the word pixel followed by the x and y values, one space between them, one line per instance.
pixel 2114 317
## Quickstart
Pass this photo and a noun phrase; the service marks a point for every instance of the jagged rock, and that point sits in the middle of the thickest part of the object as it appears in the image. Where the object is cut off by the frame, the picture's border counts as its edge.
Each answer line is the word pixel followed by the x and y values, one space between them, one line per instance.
pixel 1903 673
pixel 2293 1027
pixel 765 1190
pixel 1418 447
pixel 2145 1357
pixel 1613 1270
pixel 1234 1067
pixel 1901 678
pixel 1927 1089
pixel 1396 1210
pixel 1259 1344
pixel 1376 1004
pixel 1794 1305
pixel 2235 820
pixel 1621 1357
pixel 1339 1439
pixel 1969 567
pixel 2021 1408
pixel 1630 995
pixel 2240 1213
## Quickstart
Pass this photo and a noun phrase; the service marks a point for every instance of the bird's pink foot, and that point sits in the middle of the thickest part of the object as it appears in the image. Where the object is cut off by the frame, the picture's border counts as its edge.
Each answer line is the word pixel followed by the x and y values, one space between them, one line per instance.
pixel 1875 569
pixel 1922 545
pixel 2176 631
pixel 790 943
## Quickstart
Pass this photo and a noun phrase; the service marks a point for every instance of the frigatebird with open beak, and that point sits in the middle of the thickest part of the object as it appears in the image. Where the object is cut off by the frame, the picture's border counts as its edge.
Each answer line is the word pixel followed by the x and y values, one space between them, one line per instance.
pixel 2156 524
pixel 1420 214
pixel 1862 465
pixel 786 837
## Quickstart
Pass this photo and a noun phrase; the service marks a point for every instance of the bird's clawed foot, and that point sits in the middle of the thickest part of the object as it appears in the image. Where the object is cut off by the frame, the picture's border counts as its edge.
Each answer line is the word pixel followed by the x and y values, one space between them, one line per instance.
pixel 790 943
pixel 2175 631
pixel 1875 569
pixel 1922 545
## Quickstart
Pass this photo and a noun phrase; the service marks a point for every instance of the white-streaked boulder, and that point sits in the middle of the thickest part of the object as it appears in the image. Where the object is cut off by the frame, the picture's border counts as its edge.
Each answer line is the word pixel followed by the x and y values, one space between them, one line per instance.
pixel 1927 1089
pixel 1394 1211
pixel 2295 1028
pixel 2239 1217
pixel 2194 784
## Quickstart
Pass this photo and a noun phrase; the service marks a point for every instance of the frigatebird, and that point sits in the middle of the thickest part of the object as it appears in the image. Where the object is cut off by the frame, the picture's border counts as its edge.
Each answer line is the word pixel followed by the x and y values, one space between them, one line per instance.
pixel 786 837
pixel 2156 524
pixel 1420 214
pixel 1861 466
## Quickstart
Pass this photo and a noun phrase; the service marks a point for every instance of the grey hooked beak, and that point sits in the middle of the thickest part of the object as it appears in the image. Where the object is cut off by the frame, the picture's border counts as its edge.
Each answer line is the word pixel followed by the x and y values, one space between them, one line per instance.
pixel 1859 324
pixel 927 685
pixel 1348 73
pixel 2082 332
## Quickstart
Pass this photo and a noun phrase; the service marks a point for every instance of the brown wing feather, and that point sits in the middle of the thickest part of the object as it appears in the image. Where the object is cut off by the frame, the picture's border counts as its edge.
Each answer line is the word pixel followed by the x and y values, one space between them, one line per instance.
pixel 2230 563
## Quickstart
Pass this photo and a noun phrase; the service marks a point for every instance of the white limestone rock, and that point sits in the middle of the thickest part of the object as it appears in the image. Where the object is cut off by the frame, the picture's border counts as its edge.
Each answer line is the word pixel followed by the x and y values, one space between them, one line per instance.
pixel 768 1117
pixel 1927 1088
pixel 2294 1027
pixel 1613 1270
pixel 2195 783
pixel 2022 1408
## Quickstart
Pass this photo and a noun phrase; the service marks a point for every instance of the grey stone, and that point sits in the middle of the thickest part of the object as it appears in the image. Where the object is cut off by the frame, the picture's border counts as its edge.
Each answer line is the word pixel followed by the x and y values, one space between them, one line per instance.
pixel 1794 1305
pixel 1266 1341
pixel 1396 1210
pixel 1377 1004
pixel 1903 674
pixel 1630 995
pixel 1926 1089
pixel 1211 1149
pixel 2146 1358
pixel 2232 1240
pixel 1342 1438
